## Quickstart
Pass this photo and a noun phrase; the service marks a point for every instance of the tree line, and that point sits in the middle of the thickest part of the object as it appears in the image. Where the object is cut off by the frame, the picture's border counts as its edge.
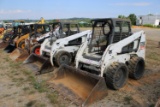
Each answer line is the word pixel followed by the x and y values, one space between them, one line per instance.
pixel 132 17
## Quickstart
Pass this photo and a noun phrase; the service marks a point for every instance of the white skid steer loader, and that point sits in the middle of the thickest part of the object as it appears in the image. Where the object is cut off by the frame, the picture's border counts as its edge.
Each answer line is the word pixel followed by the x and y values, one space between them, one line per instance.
pixel 57 51
pixel 111 54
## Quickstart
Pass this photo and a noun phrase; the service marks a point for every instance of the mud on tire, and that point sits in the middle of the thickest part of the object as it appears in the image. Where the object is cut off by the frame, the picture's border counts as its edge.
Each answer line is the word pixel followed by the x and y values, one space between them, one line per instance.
pixel 63 57
pixel 136 67
pixel 116 75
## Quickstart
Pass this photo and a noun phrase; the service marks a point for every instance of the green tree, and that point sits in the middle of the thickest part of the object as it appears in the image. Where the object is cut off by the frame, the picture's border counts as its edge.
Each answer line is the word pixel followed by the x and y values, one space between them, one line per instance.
pixel 133 18
pixel 122 16
pixel 5 21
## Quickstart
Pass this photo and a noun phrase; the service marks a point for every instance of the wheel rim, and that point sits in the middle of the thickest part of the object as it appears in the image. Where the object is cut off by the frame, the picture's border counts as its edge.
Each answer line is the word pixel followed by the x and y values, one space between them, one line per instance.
pixel 120 78
pixel 64 59
pixel 139 69
pixel 37 51
pixel 7 39
pixel 23 46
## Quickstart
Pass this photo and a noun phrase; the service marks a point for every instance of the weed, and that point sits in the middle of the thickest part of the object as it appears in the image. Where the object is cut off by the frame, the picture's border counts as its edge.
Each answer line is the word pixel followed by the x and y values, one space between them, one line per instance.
pixel 7 95
pixel 26 72
pixel 15 92
pixel 151 105
pixel 31 92
pixel 62 105
pixel 14 65
pixel 20 79
pixel 16 73
pixel 30 103
pixel 6 59
pixel 14 79
pixel 128 99
pixel 26 88
pixel 13 71
pixel 40 86
pixel 53 97
pixel 39 105
pixel 31 78
pixel 154 56
pixel 19 101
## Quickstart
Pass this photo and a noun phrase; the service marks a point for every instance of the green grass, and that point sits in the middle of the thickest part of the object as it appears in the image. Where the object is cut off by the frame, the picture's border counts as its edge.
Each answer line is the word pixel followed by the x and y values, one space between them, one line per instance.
pixel 128 99
pixel 15 65
pixel 40 86
pixel 26 88
pixel 151 26
pixel 6 59
pixel 31 92
pixel 154 56
pixel 26 72
pixel 53 97
pixel 152 105
pixel 31 103
pixel 39 105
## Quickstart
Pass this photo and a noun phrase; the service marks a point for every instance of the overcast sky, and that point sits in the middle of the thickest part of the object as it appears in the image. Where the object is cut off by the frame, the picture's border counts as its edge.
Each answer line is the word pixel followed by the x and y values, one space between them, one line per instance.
pixel 57 9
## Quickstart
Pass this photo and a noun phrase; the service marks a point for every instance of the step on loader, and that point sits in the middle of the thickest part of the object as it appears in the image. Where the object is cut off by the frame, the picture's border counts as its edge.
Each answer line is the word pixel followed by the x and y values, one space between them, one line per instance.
pixel 64 46
pixel 111 54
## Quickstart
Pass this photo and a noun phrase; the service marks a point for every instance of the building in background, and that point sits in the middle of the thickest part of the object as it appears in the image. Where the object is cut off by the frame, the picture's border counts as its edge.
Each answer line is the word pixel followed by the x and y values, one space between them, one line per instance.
pixel 148 19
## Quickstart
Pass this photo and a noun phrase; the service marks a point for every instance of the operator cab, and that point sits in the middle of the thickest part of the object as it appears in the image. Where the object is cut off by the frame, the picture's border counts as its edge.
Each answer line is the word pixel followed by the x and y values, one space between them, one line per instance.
pixel 70 29
pixel 105 32
pixel 62 30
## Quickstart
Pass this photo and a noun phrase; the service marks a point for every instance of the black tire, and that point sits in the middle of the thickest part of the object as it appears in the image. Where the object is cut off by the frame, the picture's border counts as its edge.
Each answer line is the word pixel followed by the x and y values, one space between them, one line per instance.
pixel 63 57
pixel 35 47
pixel 116 75
pixel 136 67
pixel 22 44
pixel 6 37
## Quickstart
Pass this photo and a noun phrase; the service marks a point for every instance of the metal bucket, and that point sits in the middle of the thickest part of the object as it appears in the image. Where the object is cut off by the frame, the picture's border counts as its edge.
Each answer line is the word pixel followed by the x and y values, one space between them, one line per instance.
pixel 9 48
pixel 3 44
pixel 38 63
pixel 81 87
pixel 19 54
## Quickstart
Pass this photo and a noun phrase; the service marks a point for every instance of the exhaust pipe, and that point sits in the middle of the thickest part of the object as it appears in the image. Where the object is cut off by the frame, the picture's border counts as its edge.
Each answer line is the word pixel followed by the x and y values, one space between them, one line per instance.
pixel 81 87
pixel 38 64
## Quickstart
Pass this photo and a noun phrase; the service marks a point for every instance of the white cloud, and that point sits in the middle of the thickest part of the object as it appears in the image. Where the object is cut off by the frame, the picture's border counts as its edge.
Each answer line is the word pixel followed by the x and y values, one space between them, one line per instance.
pixel 17 11
pixel 133 4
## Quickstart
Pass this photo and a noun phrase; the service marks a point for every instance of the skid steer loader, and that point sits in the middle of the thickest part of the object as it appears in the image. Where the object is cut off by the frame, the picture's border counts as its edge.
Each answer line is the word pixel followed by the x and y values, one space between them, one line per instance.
pixel 23 31
pixel 23 50
pixel 38 40
pixel 111 54
pixel 59 49
pixel 10 36
pixel 2 30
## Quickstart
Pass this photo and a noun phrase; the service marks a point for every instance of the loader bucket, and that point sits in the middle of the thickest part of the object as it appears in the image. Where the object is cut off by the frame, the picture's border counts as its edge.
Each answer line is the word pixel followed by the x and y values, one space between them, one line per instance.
pixel 3 45
pixel 81 87
pixel 39 64
pixel 19 54
pixel 9 48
